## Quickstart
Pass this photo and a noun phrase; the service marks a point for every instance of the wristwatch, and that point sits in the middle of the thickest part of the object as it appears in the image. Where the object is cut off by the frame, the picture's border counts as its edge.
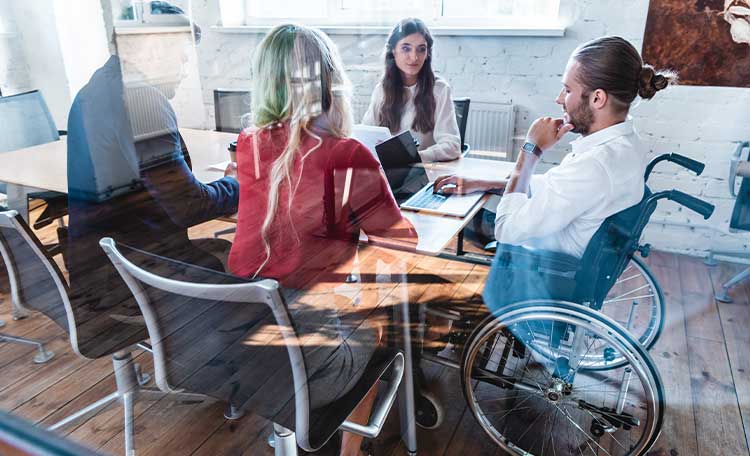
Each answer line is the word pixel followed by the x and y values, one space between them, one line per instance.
pixel 532 149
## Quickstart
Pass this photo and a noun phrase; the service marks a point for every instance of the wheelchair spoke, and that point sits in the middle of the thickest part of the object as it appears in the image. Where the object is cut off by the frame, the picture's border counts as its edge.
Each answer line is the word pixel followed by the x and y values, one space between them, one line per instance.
pixel 626 279
pixel 633 298
pixel 572 421
pixel 628 293
pixel 534 395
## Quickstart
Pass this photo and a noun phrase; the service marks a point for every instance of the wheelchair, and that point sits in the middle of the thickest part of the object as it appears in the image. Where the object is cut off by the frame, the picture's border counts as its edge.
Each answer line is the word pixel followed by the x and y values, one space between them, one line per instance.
pixel 554 358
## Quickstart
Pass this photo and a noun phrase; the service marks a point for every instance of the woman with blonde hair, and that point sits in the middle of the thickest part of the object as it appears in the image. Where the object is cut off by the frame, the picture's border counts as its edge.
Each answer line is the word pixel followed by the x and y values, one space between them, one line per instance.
pixel 306 190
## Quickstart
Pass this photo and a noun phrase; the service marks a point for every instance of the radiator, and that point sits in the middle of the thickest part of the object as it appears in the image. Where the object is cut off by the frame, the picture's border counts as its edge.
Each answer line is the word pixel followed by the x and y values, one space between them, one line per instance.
pixel 489 130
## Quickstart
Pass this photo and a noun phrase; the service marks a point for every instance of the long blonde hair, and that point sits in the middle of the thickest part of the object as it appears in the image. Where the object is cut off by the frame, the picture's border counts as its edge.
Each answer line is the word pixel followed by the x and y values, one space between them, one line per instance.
pixel 297 77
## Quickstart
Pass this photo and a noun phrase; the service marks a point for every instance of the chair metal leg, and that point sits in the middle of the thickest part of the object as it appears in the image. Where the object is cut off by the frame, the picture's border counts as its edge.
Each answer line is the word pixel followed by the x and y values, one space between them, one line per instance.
pixel 96 406
pixel 128 405
pixel 723 295
pixel 285 441
pixel 710 260
pixel 18 313
pixel 187 397
pixel 42 356
pixel 126 381
pixel 130 388
pixel 233 413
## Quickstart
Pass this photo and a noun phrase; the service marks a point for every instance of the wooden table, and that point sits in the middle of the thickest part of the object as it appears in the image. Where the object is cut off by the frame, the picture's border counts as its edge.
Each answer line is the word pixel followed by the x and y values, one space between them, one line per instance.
pixel 44 167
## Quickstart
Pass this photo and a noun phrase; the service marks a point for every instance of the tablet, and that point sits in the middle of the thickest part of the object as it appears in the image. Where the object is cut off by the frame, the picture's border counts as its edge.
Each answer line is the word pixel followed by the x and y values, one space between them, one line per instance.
pixel 398 151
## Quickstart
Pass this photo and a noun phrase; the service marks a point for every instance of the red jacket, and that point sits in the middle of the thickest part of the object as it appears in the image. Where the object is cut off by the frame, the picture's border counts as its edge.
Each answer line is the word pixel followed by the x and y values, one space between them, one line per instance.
pixel 338 189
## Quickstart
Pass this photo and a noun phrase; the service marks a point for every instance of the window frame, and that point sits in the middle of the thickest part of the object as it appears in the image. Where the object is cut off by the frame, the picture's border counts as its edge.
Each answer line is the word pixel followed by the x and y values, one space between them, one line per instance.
pixel 240 21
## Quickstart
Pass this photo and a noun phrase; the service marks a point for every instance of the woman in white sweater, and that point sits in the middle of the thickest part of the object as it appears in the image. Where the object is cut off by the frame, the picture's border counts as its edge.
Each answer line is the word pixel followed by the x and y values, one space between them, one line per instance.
pixel 410 97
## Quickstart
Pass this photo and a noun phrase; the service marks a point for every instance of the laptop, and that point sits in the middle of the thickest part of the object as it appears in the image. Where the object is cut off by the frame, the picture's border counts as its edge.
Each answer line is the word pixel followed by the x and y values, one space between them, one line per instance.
pixel 425 200
pixel 410 185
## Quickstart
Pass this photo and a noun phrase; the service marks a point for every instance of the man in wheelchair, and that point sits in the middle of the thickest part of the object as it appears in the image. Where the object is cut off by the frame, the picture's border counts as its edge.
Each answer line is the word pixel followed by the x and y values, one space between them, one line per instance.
pixel 555 357
pixel 561 209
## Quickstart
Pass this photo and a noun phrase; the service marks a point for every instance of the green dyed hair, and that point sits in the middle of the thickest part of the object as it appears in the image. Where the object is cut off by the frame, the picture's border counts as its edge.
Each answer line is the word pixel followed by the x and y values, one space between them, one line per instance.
pixel 298 78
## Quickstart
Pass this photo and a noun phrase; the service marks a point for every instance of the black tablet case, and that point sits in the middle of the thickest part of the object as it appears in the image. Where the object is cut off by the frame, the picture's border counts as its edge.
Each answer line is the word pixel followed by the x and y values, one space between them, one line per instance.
pixel 398 151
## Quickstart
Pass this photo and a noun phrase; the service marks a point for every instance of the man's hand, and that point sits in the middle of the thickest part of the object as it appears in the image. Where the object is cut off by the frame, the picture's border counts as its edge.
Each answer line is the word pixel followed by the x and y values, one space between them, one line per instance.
pixel 546 131
pixel 452 184
pixel 231 170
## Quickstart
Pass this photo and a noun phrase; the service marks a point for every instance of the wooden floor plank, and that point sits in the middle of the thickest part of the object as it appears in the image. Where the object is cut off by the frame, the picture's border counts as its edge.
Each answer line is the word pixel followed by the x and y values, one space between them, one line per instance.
pixel 718 421
pixel 735 320
pixel 701 314
pixel 703 356
pixel 670 353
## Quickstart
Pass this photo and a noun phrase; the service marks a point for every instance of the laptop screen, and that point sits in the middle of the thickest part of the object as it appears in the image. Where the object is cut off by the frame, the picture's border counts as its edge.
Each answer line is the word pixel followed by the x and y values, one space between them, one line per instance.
pixel 406 181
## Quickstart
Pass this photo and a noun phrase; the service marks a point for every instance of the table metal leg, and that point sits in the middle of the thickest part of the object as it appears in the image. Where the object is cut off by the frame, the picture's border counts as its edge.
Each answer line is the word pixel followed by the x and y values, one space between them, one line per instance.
pixel 18 199
pixel 460 243
pixel 406 407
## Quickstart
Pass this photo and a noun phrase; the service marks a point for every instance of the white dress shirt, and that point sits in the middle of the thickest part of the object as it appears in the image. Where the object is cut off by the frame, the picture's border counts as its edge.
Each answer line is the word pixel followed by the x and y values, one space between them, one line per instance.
pixel 566 205
pixel 444 141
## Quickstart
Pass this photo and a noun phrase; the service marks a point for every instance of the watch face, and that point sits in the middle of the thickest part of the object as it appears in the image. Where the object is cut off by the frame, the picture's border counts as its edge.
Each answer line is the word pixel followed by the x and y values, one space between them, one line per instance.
pixel 529 147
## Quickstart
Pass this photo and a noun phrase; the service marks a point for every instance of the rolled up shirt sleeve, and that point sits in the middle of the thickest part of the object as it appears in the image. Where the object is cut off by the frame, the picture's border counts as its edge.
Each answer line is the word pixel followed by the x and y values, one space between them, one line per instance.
pixel 556 198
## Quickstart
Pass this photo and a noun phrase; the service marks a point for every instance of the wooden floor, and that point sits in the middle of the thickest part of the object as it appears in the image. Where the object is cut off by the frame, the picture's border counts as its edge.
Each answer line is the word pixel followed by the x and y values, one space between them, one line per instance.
pixel 703 356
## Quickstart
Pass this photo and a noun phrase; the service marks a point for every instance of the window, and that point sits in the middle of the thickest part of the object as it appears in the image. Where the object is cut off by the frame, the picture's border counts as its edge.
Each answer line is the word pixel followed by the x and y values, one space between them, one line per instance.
pixel 149 13
pixel 449 13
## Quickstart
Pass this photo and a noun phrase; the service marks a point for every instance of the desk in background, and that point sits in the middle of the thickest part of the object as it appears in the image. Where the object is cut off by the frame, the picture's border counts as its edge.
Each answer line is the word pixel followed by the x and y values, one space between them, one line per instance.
pixel 44 167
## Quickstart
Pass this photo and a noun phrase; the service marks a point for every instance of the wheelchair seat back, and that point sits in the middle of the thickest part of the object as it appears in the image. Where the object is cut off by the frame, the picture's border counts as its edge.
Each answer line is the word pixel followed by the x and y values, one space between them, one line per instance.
pixel 520 273
pixel 609 251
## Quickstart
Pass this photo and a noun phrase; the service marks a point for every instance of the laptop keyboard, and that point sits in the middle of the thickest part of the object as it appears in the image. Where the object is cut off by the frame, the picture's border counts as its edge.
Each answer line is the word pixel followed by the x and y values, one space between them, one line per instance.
pixel 428 200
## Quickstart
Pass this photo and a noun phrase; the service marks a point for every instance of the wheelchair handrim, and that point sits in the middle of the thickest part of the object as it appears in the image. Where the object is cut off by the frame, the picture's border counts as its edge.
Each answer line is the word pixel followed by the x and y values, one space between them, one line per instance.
pixel 570 313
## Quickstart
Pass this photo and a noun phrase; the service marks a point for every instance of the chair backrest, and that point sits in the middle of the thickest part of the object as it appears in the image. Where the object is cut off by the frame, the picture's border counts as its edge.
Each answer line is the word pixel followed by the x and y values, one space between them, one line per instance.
pixel 25 121
pixel 236 340
pixel 741 213
pixel 229 107
pixel 224 336
pixel 96 328
pixel 35 280
pixel 462 116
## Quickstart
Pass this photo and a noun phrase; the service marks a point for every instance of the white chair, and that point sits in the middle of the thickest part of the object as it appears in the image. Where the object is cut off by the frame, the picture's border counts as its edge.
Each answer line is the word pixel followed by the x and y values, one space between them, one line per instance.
pixel 94 331
pixel 235 340
pixel 740 220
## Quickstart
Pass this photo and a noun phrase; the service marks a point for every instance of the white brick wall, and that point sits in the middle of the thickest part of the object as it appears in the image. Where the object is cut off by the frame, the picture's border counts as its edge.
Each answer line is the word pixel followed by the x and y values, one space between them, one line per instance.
pixel 14 71
pixel 700 122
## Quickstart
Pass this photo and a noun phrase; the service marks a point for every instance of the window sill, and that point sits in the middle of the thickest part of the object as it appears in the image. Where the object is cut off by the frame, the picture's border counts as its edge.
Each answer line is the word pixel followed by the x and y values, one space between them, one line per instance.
pixel 549 31
pixel 150 29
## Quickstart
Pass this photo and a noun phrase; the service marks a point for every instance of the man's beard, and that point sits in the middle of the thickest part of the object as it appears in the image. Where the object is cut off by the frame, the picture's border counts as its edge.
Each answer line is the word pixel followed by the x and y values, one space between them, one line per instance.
pixel 581 118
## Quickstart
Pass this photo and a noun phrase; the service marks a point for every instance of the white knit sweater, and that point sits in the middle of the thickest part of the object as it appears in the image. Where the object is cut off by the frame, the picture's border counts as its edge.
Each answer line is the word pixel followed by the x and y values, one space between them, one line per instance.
pixel 441 144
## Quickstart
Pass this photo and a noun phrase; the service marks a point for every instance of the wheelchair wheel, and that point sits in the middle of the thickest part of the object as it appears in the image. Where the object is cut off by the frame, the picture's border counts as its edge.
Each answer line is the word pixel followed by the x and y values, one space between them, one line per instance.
pixel 635 302
pixel 530 403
